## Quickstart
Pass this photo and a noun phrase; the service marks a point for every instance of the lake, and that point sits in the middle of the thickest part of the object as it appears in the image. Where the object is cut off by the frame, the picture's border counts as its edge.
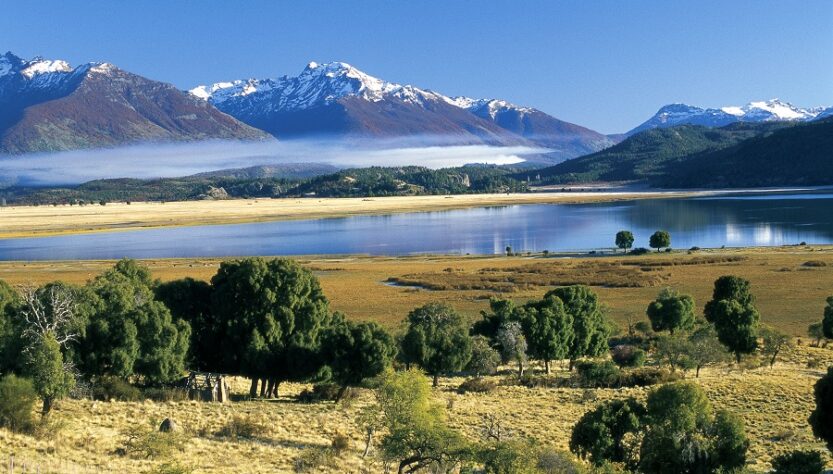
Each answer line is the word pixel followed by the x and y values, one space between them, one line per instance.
pixel 732 220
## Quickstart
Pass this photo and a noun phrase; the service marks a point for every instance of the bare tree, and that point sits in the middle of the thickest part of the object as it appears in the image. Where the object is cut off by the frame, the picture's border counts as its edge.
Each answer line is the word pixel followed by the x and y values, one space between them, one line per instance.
pixel 48 310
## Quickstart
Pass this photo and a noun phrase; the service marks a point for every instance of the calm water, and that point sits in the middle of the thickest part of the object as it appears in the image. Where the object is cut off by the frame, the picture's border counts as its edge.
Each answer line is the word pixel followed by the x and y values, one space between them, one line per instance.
pixel 760 220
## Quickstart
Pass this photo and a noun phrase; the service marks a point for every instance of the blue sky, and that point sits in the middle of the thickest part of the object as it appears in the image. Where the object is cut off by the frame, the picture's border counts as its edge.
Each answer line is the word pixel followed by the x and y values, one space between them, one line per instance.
pixel 607 65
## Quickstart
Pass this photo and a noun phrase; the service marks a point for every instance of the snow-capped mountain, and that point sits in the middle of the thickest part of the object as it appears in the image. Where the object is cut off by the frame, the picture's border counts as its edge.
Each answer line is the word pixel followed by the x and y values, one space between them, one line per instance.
pixel 47 105
pixel 774 110
pixel 338 99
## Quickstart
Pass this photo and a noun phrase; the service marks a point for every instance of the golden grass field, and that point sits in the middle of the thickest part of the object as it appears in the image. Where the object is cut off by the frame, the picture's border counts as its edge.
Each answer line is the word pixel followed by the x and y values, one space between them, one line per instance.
pixel 774 403
pixel 25 221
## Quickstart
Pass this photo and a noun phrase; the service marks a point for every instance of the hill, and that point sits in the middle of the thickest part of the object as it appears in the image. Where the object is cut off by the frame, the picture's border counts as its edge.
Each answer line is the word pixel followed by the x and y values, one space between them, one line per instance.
pixel 646 155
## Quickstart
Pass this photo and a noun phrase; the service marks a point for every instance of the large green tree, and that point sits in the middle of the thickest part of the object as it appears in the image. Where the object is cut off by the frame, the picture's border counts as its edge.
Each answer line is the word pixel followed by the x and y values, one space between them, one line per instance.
pixel 685 436
pixel 356 351
pixel 129 332
pixel 733 313
pixel 671 311
pixel 190 300
pixel 270 315
pixel 590 326
pixel 45 365
pixel 821 420
pixel 548 329
pixel 660 239
pixel 600 435
pixel 624 239
pixel 437 340
pixel 11 343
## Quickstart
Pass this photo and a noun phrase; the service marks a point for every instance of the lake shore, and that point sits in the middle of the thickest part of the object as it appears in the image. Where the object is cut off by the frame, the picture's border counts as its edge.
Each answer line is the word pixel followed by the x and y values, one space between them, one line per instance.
pixel 40 221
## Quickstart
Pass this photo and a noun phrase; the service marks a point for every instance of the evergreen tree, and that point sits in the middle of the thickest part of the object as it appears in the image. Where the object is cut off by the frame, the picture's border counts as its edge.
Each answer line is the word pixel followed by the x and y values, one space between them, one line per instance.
pixel 437 340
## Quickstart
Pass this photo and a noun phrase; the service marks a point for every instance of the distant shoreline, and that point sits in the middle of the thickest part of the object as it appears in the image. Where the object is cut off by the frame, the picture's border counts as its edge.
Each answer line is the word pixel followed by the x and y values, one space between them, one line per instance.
pixel 42 221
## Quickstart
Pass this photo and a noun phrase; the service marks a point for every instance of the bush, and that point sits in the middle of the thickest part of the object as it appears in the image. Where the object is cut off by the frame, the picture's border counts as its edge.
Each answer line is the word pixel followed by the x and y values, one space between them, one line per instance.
pixel 321 392
pixel 814 263
pixel 240 426
pixel 171 468
pixel 17 399
pixel 798 462
pixel 557 462
pixel 628 356
pixel 340 444
pixel 476 385
pixel 166 394
pixel 598 374
pixel 113 388
pixel 639 251
pixel 150 443
pixel 313 459
pixel 647 376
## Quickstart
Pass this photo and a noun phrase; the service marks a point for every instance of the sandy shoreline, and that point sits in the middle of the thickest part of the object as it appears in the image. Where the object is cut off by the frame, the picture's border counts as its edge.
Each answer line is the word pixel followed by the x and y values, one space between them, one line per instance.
pixel 38 221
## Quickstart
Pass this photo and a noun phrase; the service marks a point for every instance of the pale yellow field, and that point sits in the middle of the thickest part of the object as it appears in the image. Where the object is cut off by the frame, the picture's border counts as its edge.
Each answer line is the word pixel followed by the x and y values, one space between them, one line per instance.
pixel 774 404
pixel 22 221
pixel 789 294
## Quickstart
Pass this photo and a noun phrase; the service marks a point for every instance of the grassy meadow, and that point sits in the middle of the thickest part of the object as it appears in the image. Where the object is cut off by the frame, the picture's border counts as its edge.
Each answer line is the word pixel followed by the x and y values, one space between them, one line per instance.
pixel 790 283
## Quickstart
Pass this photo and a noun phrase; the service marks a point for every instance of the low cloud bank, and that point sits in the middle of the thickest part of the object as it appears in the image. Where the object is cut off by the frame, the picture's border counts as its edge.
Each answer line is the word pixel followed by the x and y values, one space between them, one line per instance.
pixel 183 159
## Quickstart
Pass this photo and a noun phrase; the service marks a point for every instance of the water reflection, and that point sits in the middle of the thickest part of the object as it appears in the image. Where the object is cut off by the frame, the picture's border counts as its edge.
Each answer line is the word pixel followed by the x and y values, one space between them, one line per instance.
pixel 704 222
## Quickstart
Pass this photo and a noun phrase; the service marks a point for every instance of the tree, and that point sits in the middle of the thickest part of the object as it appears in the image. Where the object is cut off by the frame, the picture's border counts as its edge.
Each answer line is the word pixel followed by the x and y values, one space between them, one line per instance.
pixel 798 462
pixel 676 351
pixel 129 332
pixel 484 358
pixel 548 329
pixel 17 398
pixel 11 343
pixel 190 300
pixel 624 239
pixel 816 331
pixel 356 351
pixel 590 326
pixel 437 340
pixel 601 434
pixel 511 457
pixel 502 311
pixel 671 311
pixel 660 239
pixel 821 420
pixel 733 313
pixel 417 436
pixel 683 434
pixel 45 365
pixel 774 343
pixel 827 322
pixel 513 345
pixel 270 315
pixel 705 349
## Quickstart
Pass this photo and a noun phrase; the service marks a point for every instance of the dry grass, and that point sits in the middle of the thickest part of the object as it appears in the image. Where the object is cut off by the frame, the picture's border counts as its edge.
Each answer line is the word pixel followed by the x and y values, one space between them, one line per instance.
pixel 24 221
pixel 790 295
pixel 774 405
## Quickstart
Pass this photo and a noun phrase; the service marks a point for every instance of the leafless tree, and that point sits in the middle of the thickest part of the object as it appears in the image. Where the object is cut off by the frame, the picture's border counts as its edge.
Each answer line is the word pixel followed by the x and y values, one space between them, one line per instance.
pixel 49 310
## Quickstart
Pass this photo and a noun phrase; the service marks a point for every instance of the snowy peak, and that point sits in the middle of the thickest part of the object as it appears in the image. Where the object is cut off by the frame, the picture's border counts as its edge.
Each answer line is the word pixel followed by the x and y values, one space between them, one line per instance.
pixel 318 84
pixel 487 107
pixel 39 66
pixel 773 110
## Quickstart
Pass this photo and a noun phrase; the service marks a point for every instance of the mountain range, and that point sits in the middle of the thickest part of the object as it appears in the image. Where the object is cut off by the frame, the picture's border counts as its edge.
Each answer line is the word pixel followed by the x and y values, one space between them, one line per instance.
pixel 338 99
pixel 47 105
pixel 774 110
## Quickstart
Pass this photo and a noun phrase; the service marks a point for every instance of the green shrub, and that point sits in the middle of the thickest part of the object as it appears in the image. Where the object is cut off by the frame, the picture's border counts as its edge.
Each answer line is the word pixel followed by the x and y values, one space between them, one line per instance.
pixel 598 373
pixel 476 385
pixel 171 468
pixel 17 399
pixel 647 376
pixel 558 462
pixel 628 356
pixel 798 462
pixel 638 251
pixel 113 388
pixel 510 457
